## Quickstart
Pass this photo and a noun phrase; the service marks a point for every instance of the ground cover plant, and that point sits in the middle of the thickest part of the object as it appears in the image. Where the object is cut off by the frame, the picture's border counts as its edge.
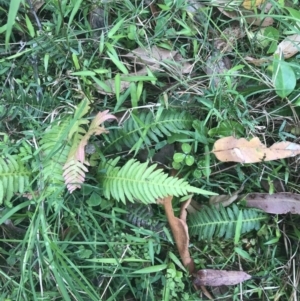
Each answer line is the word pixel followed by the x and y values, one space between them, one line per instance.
pixel 149 150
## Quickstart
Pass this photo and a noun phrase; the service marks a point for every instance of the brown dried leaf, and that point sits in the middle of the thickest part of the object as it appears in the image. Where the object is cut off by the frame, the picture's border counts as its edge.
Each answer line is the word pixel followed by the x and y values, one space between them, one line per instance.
pixel 228 13
pixel 225 200
pixel 180 232
pixel 152 59
pixel 289 46
pixel 228 38
pixel 218 277
pixel 277 203
pixel 262 21
pixel 155 56
pixel 230 149
pixel 37 4
pixel 257 62
pixel 251 4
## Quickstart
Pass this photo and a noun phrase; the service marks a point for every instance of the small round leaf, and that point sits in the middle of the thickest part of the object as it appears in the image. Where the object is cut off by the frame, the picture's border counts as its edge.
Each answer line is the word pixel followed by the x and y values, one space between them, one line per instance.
pixel 189 160
pixel 186 148
pixel 178 157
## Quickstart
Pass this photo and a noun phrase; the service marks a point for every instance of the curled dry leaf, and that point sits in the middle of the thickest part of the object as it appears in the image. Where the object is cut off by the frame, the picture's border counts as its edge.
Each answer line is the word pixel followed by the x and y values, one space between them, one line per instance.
pixel 289 46
pixel 153 59
pixel 155 56
pixel 277 203
pixel 218 277
pixel 230 149
pixel 257 62
pixel 228 38
pixel 180 231
pixel 225 200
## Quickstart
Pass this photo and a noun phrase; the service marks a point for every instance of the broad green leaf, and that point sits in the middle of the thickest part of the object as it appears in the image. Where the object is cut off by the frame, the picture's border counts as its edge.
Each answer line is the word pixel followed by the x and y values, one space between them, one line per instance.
pixel 84 73
pixel 46 62
pixel 115 29
pixel 75 9
pixel 12 13
pixel 102 84
pixel 30 26
pixel 133 94
pixel 152 269
pixel 117 62
pixel 138 78
pixel 284 78
pixel 76 63
pixel 227 128
pixel 243 253
pixel 117 86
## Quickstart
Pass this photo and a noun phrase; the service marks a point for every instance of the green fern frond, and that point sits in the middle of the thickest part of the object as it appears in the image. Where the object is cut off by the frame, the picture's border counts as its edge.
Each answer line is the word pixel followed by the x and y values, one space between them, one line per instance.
pixel 55 152
pixel 14 177
pixel 147 128
pixel 210 221
pixel 138 181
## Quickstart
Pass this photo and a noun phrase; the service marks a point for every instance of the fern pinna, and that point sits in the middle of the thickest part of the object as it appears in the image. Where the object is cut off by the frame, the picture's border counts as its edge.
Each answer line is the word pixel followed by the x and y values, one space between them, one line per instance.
pixel 140 182
pixel 146 128
pixel 14 177
pixel 210 221
pixel 63 146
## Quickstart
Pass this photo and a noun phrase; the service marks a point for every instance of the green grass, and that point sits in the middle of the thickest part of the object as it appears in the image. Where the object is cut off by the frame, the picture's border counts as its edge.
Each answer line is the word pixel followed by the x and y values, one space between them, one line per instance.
pixel 81 246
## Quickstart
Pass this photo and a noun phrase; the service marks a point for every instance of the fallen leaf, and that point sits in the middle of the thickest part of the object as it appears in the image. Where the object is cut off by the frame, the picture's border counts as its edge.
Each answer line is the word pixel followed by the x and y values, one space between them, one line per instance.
pixel 37 4
pixel 259 21
pixel 225 200
pixel 215 67
pixel 228 38
pixel 153 59
pixel 277 203
pixel 289 46
pixel 251 4
pixel 230 149
pixel 179 229
pixel 155 56
pixel 262 21
pixel 218 277
pixel 258 62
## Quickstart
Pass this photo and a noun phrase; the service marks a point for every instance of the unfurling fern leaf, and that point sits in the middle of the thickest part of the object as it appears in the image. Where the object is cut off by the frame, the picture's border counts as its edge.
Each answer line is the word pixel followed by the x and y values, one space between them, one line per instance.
pixel 14 177
pixel 146 128
pixel 138 181
pixel 74 169
pixel 211 221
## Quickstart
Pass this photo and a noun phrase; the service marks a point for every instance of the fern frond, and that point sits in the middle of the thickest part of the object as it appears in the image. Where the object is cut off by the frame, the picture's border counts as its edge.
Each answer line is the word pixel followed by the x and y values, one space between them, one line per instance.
pixel 74 169
pixel 146 129
pixel 14 177
pixel 138 181
pixel 210 221
pixel 55 150
pixel 143 216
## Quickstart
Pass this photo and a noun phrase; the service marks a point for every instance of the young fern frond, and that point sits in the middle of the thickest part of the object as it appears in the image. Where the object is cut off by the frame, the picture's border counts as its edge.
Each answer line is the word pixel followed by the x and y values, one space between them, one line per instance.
pixel 14 177
pixel 54 155
pixel 137 181
pixel 210 221
pixel 147 129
